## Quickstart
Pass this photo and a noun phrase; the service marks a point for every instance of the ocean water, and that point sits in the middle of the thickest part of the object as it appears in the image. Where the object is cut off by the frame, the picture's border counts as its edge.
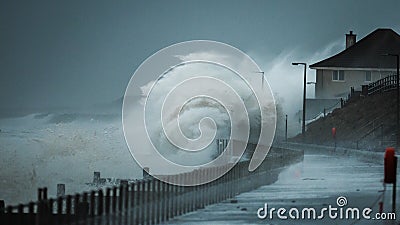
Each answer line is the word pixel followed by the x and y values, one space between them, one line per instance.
pixel 42 150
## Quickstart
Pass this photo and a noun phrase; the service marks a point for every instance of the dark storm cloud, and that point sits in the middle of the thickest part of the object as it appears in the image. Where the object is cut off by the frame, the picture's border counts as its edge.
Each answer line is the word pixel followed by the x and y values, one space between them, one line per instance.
pixel 63 53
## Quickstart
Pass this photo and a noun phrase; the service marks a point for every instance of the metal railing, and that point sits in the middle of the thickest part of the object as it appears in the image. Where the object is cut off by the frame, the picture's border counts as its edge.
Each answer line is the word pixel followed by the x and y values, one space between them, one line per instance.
pixel 384 84
pixel 147 201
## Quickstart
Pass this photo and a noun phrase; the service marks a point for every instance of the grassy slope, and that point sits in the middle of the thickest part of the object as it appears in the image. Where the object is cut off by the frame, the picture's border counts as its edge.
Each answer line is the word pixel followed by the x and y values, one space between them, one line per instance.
pixel 359 116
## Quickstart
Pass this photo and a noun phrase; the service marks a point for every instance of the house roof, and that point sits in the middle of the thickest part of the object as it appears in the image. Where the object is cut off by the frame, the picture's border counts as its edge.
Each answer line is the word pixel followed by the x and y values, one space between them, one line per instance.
pixel 366 53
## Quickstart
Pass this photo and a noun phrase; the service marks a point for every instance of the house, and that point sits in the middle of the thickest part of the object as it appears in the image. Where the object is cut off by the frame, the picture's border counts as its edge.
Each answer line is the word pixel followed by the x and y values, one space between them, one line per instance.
pixel 359 64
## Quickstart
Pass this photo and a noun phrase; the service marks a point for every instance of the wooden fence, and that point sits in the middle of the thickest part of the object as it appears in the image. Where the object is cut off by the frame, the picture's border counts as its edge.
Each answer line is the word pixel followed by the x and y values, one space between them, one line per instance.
pixel 148 201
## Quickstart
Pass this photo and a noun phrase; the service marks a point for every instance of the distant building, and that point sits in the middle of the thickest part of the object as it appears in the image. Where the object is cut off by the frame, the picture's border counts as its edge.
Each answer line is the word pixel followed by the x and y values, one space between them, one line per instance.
pixel 359 64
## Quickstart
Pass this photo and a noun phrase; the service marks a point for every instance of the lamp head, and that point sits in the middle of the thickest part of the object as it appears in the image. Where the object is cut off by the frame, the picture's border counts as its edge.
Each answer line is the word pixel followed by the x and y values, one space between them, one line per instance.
pixel 298 63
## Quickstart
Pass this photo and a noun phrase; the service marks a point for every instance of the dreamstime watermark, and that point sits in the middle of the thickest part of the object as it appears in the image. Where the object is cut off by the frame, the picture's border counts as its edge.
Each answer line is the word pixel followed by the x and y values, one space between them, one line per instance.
pixel 177 100
pixel 338 211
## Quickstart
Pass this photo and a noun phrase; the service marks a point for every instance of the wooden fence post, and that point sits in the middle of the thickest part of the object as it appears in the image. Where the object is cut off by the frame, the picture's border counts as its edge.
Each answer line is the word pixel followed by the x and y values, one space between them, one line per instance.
pixel 126 202
pixel 68 210
pixel 226 182
pixel 138 202
pixel 100 201
pixel 171 197
pixel 2 213
pixel 181 191
pixel 84 206
pixel 196 191
pixel 76 207
pixel 92 203
pixel 207 172
pixel 9 216
pixel 147 200
pixel 20 212
pixel 132 202
pixel 40 217
pixel 120 197
pixel 184 193
pixel 220 188
pixel 108 196
pixel 159 205
pixel 59 206
pixel 192 197
pixel 163 201
pixel 114 203
pixel 202 178
pixel 148 194
pixel 214 189
pixel 142 202
pixel 50 209
pixel 114 199
pixel 153 201
pixel 127 196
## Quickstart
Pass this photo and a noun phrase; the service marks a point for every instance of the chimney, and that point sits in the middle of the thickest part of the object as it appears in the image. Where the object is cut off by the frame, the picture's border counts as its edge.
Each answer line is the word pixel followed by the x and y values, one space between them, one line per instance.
pixel 350 39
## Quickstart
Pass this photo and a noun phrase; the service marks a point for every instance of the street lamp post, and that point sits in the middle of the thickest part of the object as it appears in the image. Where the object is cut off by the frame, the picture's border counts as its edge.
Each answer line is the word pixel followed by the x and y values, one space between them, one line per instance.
pixel 398 100
pixel 262 79
pixel 397 128
pixel 303 127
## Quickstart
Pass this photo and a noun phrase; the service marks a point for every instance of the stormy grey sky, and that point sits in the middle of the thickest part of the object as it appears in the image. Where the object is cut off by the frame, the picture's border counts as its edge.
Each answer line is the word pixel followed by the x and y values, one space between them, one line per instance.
pixel 74 53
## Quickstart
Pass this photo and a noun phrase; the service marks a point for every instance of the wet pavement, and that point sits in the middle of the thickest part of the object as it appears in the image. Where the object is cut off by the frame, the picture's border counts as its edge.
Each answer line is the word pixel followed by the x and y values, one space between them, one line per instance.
pixel 316 182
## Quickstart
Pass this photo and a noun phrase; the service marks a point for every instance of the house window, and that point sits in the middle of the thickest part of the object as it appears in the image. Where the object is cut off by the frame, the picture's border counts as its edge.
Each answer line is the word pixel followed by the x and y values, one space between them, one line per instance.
pixel 338 75
pixel 368 76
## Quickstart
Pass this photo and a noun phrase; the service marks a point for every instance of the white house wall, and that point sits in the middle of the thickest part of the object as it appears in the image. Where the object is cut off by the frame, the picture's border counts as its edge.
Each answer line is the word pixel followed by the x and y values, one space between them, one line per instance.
pixel 325 88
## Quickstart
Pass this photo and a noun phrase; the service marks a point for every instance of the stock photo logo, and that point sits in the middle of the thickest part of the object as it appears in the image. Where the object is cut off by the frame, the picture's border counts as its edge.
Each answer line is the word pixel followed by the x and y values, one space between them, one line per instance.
pixel 194 105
